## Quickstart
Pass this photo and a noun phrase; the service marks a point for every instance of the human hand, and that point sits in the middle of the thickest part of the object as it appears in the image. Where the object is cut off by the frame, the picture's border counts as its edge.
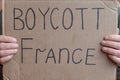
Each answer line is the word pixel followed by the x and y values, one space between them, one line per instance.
pixel 111 46
pixel 8 48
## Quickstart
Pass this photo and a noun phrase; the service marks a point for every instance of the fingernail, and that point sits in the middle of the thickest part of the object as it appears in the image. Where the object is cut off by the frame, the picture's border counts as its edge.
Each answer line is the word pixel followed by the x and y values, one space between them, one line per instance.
pixel 103 42
pixel 104 49
pixel 106 37
pixel 14 39
pixel 16 45
pixel 10 56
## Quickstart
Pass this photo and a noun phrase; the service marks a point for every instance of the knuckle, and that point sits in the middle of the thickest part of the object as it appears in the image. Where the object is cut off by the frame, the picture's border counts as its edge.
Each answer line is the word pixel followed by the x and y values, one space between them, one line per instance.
pixel 108 37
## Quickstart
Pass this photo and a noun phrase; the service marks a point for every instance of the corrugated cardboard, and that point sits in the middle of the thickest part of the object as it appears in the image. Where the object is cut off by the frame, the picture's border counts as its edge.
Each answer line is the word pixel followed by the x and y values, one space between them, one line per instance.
pixel 60 39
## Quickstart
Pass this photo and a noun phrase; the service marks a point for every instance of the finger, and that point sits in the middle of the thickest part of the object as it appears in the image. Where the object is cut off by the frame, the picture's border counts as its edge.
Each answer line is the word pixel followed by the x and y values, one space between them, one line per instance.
pixel 5 46
pixel 4 53
pixel 115 59
pixel 113 38
pixel 7 39
pixel 112 44
pixel 111 51
pixel 5 59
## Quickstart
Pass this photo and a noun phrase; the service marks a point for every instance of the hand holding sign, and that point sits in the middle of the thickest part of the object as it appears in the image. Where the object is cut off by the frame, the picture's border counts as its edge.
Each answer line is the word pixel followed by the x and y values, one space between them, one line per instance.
pixel 111 46
pixel 8 48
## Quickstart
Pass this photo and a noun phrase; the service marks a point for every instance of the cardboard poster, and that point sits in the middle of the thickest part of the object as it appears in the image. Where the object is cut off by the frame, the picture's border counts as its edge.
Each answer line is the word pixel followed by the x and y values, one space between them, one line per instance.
pixel 60 39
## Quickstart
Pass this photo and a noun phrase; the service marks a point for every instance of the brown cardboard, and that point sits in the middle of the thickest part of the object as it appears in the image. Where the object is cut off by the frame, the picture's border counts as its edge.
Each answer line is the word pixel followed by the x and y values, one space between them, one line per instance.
pixel 52 30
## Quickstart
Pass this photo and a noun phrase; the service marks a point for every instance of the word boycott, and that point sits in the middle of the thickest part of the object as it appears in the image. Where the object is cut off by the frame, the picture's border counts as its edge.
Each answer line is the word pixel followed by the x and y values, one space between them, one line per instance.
pixel 27 18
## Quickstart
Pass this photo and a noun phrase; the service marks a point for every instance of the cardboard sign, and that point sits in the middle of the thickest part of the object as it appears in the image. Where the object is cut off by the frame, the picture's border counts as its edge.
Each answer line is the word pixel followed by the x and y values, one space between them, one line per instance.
pixel 60 39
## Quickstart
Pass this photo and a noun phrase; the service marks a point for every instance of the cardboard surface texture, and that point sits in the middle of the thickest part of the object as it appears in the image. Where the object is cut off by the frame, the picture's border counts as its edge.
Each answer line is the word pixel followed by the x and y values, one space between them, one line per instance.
pixel 60 39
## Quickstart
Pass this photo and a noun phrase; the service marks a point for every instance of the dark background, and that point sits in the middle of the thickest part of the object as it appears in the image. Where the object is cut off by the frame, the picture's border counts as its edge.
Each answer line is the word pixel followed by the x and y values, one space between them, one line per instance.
pixel 1 77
